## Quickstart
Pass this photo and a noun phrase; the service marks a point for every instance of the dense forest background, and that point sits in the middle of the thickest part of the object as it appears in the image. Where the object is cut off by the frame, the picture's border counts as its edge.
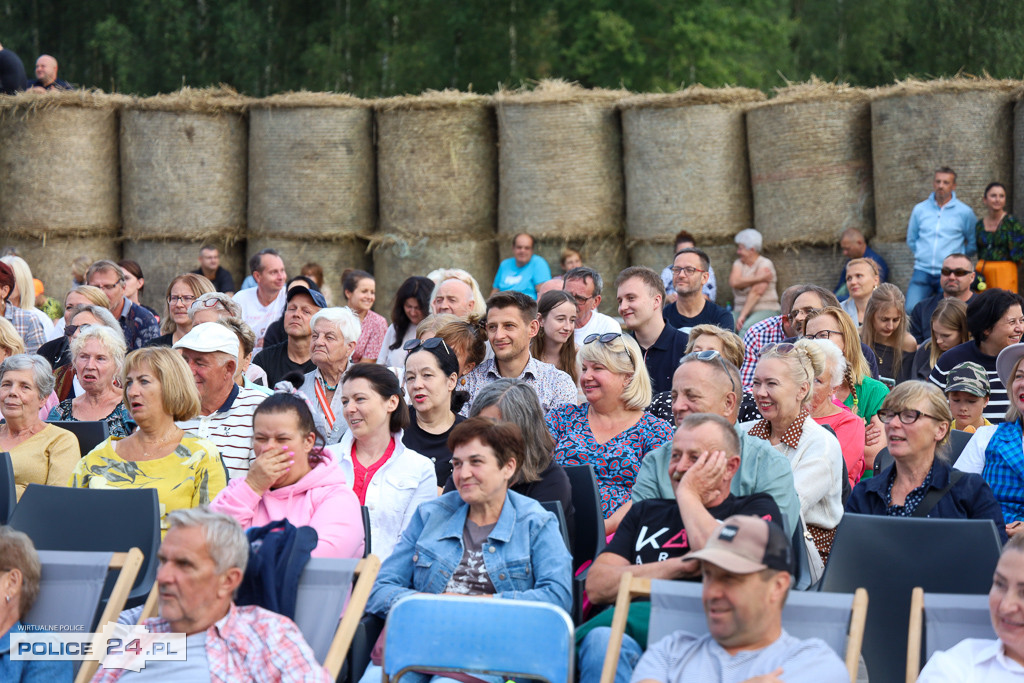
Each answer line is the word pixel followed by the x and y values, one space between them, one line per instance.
pixel 390 47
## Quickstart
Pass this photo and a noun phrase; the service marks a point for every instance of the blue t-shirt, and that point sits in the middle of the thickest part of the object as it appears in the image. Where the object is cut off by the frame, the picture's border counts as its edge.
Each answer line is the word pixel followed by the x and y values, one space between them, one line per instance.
pixel 510 277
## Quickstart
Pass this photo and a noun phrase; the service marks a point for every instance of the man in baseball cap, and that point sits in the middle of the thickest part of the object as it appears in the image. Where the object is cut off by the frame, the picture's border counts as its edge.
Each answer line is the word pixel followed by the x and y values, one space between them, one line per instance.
pixel 746 569
pixel 293 354
pixel 225 418
pixel 968 390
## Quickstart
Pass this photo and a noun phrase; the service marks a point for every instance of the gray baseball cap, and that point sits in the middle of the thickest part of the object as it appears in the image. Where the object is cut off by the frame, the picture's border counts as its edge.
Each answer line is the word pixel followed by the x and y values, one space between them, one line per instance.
pixel 969 377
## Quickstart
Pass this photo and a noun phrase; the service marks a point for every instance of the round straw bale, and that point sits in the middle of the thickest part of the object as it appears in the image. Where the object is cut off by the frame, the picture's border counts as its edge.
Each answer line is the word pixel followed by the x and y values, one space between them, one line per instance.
pixel 802 265
pixel 1018 160
pixel 334 256
pixel 810 164
pixel 163 260
pixel 560 162
pixel 183 169
pixel 437 165
pixel 607 255
pixel 311 166
pixel 685 162
pixel 59 165
pixel 899 258
pixel 916 127
pixel 395 259
pixel 50 258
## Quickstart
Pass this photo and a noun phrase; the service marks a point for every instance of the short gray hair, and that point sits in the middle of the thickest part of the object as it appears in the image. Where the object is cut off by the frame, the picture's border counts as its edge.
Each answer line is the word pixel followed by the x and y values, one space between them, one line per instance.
pixel 518 403
pixel 225 540
pixel 583 274
pixel 105 317
pixel 42 373
pixel 224 303
pixel 835 361
pixel 729 435
pixel 343 319
pixel 749 238
pixel 112 341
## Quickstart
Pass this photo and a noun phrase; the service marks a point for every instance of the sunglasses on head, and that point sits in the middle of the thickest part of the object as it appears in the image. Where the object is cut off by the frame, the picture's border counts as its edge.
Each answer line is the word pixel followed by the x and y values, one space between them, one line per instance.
pixel 608 338
pixel 414 345
pixel 710 356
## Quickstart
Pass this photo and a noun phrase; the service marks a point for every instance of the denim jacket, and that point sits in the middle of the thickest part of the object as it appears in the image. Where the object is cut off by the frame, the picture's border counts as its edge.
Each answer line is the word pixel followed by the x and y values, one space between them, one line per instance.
pixel 525 556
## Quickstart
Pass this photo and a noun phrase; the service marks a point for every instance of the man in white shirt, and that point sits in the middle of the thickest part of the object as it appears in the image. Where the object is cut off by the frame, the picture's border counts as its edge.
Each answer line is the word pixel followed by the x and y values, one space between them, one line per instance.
pixel 225 415
pixel 264 303
pixel 585 286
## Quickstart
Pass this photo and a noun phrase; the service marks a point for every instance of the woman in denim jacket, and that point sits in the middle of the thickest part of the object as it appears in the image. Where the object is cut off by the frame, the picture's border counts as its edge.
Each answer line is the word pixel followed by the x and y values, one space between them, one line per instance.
pixel 481 539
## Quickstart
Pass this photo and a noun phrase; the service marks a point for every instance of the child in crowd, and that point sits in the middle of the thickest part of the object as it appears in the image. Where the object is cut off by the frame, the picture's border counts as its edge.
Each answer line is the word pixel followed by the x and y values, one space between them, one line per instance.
pixel 967 390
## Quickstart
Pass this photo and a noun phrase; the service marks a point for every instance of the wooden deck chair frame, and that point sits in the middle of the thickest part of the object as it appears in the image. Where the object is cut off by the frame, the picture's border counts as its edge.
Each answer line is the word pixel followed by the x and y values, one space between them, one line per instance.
pixel 915 634
pixel 129 564
pixel 366 571
pixel 632 587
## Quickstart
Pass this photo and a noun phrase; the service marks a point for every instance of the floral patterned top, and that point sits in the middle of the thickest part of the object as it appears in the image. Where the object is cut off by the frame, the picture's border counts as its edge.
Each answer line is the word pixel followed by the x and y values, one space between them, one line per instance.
pixel 1005 244
pixel 119 422
pixel 617 461
pixel 371 337
pixel 191 476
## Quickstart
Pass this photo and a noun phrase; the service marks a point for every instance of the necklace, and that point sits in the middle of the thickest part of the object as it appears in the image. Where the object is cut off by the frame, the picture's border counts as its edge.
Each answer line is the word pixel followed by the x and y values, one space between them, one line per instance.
pixel 326 386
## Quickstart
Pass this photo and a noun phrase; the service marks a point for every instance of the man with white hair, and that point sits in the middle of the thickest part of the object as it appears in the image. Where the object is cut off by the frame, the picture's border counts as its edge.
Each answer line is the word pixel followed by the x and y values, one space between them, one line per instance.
pixel 455 297
pixel 225 415
pixel 333 339
pixel 202 562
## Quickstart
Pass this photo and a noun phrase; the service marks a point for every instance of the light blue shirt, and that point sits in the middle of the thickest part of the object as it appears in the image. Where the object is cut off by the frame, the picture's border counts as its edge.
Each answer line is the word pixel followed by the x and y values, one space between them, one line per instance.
pixel 510 277
pixel 935 232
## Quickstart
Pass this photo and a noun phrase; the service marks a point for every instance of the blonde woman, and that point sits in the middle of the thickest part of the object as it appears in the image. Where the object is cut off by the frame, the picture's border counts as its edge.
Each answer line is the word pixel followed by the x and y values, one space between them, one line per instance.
pixel 862 277
pixel 948 329
pixel 782 387
pixel 885 330
pixel 97 356
pixel 181 293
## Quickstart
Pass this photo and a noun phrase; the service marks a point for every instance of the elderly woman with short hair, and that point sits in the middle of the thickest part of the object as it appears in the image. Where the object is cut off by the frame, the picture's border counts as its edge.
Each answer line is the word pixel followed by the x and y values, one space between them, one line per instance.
pixel 41 453
pixel 610 430
pixel 97 355
pixel 826 411
pixel 213 306
pixel 66 382
pixel 57 351
pixel 183 291
pixel 335 332
pixel 186 471
pixel 753 281
pixel 20 571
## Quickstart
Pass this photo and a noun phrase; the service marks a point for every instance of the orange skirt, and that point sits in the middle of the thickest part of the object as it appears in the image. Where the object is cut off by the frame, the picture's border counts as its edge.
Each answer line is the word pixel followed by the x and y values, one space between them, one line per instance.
pixel 1001 274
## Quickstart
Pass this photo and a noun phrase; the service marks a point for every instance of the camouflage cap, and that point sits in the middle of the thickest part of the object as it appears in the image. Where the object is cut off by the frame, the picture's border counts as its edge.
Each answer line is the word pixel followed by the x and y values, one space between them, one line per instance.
pixel 969 377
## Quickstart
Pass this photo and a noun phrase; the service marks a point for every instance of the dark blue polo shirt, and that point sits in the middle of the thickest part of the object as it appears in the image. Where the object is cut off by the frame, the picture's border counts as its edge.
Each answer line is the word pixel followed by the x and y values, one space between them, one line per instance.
pixel 662 358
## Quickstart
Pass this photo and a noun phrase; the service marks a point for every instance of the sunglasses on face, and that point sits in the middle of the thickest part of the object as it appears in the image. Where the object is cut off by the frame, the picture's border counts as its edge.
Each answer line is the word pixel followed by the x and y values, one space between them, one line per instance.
pixel 959 272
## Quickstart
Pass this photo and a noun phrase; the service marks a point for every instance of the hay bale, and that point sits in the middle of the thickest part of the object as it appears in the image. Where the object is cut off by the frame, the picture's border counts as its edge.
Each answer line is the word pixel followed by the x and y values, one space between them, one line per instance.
pixel 437 165
pixel 900 260
pixel 311 166
pixel 395 259
pixel 334 256
pixel 50 257
pixel 916 127
pixel 1018 160
pixel 164 260
pixel 183 167
pixel 607 255
pixel 804 265
pixel 685 163
pixel 59 165
pixel 560 162
pixel 810 164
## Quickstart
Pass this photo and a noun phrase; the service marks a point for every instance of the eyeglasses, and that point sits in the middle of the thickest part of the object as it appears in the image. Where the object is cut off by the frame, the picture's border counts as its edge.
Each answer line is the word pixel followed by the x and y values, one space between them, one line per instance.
pixel 710 356
pixel 580 300
pixel 959 272
pixel 806 311
pixel 178 299
pixel 212 302
pixel 688 271
pixel 608 338
pixel 110 288
pixel 907 417
pixel 69 330
pixel 824 334
pixel 414 345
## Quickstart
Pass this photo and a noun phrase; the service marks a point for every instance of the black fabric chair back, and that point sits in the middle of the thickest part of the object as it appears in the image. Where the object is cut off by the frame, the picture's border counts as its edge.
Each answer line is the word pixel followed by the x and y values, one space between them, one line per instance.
pixel 89 434
pixel 555 508
pixel 8 494
pixel 589 537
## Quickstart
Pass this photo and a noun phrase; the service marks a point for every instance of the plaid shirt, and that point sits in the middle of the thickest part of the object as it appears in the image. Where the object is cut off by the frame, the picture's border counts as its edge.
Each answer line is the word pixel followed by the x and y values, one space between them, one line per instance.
pixel 139 325
pixel 761 334
pixel 25 324
pixel 248 644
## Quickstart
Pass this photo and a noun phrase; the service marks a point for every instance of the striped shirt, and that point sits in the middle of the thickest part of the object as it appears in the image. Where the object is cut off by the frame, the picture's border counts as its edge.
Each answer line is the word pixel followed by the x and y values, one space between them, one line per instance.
pixel 230 429
pixel 998 402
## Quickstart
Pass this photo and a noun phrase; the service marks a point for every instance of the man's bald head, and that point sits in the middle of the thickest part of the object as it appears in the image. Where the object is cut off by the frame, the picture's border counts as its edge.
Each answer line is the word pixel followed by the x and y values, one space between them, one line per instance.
pixel 852 243
pixel 710 385
pixel 46 69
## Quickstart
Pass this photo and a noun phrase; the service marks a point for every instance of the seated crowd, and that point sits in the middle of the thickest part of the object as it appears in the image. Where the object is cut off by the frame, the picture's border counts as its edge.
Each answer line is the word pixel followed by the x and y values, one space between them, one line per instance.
pixel 452 423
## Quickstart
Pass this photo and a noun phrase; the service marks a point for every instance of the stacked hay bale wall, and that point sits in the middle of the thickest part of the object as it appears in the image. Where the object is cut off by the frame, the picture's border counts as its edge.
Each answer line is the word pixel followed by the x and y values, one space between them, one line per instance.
pixel 59 185
pixel 183 179
pixel 916 127
pixel 312 191
pixel 685 165
pixel 437 178
pixel 560 174
pixel 1018 156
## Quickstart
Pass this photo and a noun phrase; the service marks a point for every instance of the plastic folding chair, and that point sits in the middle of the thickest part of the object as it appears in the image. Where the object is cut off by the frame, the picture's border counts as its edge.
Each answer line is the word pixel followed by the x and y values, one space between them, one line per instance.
pixel 555 508
pixel 838 619
pixel 62 518
pixel 942 620
pixel 464 634
pixel 89 433
pixel 889 556
pixel 589 519
pixel 366 530
pixel 71 590
pixel 8 493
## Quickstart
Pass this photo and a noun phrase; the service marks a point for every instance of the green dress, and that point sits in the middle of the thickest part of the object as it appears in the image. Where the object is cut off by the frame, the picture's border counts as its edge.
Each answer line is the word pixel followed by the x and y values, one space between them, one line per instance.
pixel 1005 244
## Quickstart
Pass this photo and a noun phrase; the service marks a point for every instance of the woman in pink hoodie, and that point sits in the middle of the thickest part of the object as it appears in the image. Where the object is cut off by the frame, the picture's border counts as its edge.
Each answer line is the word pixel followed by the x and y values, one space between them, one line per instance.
pixel 293 478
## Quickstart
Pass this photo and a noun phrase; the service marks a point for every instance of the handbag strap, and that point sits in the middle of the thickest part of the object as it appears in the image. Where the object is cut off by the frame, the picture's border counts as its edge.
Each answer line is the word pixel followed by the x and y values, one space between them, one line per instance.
pixel 932 498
